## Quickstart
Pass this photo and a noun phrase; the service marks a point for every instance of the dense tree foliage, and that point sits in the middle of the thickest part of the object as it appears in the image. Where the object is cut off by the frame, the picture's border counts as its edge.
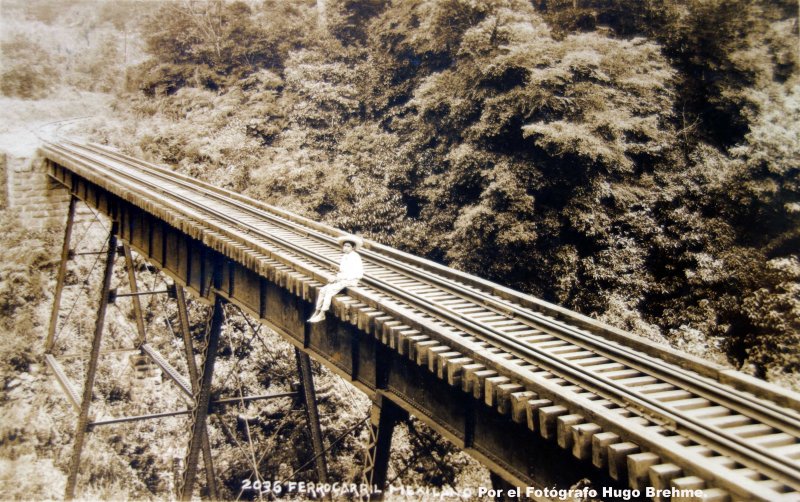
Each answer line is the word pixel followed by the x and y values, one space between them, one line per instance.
pixel 89 49
pixel 20 78
pixel 633 160
pixel 211 44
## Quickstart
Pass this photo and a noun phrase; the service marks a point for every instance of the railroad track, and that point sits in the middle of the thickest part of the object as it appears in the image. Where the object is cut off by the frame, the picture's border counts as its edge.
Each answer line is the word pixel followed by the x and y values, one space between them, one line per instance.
pixel 639 410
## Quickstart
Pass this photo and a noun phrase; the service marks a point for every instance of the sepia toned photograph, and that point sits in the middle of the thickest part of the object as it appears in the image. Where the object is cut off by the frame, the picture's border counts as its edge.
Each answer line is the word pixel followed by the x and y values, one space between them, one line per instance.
pixel 400 250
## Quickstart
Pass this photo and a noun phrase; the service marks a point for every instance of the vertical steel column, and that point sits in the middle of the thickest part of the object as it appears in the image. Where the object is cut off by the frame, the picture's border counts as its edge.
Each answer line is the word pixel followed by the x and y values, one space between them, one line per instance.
pixel 312 414
pixel 502 487
pixel 62 274
pixel 183 318
pixel 384 415
pixel 137 305
pixel 202 399
pixel 83 417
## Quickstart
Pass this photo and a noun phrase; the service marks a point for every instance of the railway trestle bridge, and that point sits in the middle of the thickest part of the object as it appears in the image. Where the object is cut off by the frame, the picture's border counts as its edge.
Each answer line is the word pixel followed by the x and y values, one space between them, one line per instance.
pixel 540 395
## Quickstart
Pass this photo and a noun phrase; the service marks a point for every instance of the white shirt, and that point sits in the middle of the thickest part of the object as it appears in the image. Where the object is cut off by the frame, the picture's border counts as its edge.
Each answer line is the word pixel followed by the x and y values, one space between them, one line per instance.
pixel 351 268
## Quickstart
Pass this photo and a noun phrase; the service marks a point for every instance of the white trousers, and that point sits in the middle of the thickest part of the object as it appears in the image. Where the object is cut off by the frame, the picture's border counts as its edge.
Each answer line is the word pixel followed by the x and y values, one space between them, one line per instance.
pixel 327 293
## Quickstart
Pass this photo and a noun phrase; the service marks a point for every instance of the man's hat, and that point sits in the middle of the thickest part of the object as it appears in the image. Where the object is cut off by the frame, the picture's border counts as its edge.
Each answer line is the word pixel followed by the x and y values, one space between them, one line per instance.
pixel 355 240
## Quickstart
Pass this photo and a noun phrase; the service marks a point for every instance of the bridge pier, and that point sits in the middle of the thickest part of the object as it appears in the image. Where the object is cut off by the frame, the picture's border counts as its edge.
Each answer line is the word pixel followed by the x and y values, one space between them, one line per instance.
pixel 312 414
pixel 384 416
pixel 137 304
pixel 62 274
pixel 200 378
pixel 83 426
pixel 91 371
pixel 501 486
pixel 27 188
pixel 183 321
pixel 202 398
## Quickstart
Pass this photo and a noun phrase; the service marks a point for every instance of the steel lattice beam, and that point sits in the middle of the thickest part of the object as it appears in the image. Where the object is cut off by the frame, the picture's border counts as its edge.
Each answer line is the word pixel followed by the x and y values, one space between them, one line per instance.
pixel 167 368
pixel 62 273
pixel 202 400
pixel 183 320
pixel 312 414
pixel 229 400
pixel 137 304
pixel 64 381
pixel 88 387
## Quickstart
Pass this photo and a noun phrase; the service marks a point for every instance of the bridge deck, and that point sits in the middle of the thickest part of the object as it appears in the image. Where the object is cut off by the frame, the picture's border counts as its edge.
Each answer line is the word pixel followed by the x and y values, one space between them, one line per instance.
pixel 505 376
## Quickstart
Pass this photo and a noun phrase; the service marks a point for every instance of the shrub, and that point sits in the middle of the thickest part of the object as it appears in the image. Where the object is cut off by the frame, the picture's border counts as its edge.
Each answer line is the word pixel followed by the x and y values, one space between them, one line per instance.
pixel 27 69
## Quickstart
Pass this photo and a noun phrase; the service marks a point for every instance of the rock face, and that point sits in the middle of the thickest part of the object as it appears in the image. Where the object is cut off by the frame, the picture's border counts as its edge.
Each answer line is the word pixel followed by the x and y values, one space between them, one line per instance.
pixel 40 200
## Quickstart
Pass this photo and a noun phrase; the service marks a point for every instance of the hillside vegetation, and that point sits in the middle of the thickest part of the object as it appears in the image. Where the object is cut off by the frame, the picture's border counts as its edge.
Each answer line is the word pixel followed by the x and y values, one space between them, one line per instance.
pixel 635 161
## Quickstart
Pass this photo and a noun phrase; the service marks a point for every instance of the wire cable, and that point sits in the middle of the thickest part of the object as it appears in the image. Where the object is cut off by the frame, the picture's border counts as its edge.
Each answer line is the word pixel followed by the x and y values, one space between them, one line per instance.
pixel 78 295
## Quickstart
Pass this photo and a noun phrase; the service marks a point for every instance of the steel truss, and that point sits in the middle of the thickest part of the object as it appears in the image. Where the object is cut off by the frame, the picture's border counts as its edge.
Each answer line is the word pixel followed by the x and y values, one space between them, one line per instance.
pixel 197 387
pixel 384 416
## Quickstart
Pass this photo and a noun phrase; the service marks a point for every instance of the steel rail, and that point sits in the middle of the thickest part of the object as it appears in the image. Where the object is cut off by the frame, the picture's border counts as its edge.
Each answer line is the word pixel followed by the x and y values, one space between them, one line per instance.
pixel 139 181
pixel 762 410
pixel 500 338
pixel 729 379
pixel 594 382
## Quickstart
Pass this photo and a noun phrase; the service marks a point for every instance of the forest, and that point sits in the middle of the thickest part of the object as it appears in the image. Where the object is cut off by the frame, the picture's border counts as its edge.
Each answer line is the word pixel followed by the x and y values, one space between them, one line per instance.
pixel 637 161
pixel 634 161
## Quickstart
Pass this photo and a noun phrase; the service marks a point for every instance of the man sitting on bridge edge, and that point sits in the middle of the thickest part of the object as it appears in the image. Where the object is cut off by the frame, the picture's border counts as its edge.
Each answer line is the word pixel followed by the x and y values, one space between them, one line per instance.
pixel 351 270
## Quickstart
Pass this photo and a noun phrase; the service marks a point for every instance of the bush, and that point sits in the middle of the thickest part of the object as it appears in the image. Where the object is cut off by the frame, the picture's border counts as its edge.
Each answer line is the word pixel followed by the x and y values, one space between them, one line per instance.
pixel 27 69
